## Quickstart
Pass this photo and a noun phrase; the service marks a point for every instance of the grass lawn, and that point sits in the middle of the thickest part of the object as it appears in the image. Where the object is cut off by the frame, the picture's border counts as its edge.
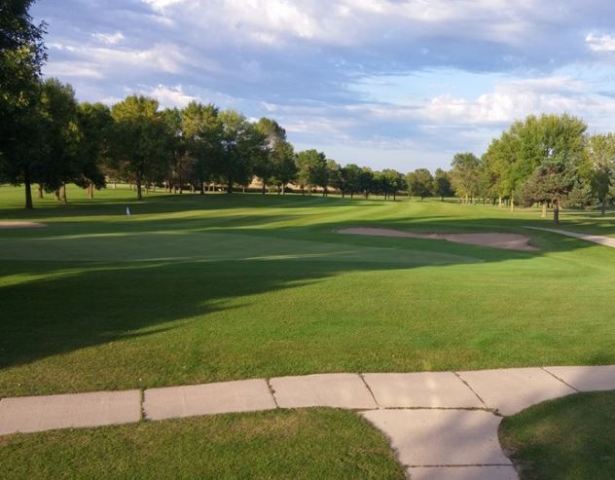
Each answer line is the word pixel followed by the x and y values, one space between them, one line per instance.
pixel 572 438
pixel 302 444
pixel 193 289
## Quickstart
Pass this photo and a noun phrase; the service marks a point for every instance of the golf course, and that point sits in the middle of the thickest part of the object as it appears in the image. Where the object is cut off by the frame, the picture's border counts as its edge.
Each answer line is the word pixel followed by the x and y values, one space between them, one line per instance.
pixel 191 289
pixel 194 289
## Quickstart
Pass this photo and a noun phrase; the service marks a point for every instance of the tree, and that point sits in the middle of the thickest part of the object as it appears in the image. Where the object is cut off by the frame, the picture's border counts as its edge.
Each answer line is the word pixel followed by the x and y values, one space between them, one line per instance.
pixel 334 175
pixel 22 54
pixel 60 139
pixel 180 164
pixel 442 184
pixel 140 139
pixel 366 181
pixel 515 156
pixel 242 147
pixel 312 169
pixel 284 165
pixel 420 183
pixel 202 131
pixel 464 175
pixel 95 127
pixel 551 182
pixel 274 135
pixel 601 154
pixel 351 179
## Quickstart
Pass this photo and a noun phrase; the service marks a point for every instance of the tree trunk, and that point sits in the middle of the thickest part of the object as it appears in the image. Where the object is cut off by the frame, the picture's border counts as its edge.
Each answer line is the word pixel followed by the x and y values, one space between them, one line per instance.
pixel 394 196
pixel 91 191
pixel 63 193
pixel 264 190
pixel 604 206
pixel 556 211
pixel 138 183
pixel 500 201
pixel 544 210
pixel 202 188
pixel 351 195
pixel 28 188
pixel 229 187
pixel 512 204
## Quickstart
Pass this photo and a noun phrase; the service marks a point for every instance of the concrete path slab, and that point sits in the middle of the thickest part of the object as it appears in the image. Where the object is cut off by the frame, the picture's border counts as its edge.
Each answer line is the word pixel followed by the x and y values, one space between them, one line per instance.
pixel 207 399
pixel 425 389
pixel 441 437
pixel 463 473
pixel 586 379
pixel 339 390
pixel 48 412
pixel 511 390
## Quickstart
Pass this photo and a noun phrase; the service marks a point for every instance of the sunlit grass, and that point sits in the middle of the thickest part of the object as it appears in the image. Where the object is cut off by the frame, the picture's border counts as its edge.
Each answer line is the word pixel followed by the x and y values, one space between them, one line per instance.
pixel 194 288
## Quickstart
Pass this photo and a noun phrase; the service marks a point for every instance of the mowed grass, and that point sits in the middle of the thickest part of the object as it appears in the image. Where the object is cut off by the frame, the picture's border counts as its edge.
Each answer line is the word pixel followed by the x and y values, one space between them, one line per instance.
pixel 301 444
pixel 567 439
pixel 193 289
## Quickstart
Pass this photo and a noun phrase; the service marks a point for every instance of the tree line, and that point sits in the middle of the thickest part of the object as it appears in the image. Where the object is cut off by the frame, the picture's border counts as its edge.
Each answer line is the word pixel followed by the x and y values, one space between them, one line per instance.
pixel 547 160
pixel 197 147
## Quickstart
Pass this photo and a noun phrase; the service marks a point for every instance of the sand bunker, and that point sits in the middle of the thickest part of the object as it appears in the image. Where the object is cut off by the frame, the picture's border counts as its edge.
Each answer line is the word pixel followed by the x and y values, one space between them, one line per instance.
pixel 507 241
pixel 19 224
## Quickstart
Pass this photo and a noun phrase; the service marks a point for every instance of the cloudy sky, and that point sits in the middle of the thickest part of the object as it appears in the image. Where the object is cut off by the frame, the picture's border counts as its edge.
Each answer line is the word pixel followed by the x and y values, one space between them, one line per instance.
pixel 384 83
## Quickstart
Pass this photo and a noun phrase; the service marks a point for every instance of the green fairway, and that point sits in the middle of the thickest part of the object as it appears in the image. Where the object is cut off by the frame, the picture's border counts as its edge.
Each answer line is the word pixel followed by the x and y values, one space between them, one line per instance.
pixel 193 289
pixel 566 439
pixel 303 444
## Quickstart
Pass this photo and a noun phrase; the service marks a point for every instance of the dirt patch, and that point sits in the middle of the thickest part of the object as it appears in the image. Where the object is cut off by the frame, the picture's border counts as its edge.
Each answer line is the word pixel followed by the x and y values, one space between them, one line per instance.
pixel 6 224
pixel 506 241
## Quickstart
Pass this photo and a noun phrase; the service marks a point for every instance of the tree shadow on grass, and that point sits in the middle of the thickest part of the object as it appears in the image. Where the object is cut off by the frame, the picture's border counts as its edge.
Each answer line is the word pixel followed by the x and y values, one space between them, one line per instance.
pixel 75 305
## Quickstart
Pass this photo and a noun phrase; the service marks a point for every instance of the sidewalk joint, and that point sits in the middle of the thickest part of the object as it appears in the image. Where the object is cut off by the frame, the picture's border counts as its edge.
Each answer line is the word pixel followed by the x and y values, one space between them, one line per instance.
pixel 557 378
pixel 370 391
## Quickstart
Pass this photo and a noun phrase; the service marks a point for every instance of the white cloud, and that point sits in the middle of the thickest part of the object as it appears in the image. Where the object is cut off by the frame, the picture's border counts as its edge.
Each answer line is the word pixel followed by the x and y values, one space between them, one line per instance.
pixel 161 57
pixel 171 96
pixel 160 5
pixel 109 38
pixel 355 22
pixel 601 43
pixel 511 101
pixel 72 70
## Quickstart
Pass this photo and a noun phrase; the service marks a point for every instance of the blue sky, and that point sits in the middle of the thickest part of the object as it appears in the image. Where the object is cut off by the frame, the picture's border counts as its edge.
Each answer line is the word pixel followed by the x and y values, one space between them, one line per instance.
pixel 383 83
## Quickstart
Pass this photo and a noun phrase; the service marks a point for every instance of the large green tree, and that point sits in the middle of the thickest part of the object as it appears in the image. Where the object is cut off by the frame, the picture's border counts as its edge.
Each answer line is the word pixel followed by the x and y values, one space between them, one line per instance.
pixel 202 132
pixel 312 169
pixel 420 183
pixel 22 54
pixel 351 179
pixel 243 146
pixel 284 165
pixel 95 129
pixel 274 135
pixel 60 138
pixel 442 184
pixel 465 175
pixel 601 153
pixel 141 140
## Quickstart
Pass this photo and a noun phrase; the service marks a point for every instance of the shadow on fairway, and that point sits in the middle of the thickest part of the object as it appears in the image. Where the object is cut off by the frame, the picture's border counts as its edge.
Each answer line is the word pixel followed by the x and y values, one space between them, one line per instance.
pixel 86 302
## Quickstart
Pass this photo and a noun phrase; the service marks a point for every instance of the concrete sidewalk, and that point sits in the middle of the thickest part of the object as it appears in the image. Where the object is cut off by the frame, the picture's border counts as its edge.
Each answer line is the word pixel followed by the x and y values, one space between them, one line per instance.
pixel 443 425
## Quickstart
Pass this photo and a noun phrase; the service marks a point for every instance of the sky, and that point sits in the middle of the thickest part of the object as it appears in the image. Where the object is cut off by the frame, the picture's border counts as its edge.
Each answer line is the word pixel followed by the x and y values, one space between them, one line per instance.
pixel 381 83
